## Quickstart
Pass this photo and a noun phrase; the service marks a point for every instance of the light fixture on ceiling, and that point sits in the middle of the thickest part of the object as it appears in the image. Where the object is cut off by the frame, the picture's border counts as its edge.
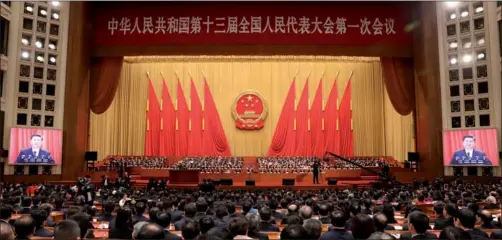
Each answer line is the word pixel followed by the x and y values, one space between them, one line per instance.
pixel 55 3
pixel 481 55
pixel 25 41
pixel 467 58
pixel 52 46
pixel 40 58
pixel 453 45
pixel 55 16
pixel 25 54
pixel 38 44
pixel 479 9
pixel 29 8
pixel 453 61
pixel 464 14
pixel 52 59
pixel 43 12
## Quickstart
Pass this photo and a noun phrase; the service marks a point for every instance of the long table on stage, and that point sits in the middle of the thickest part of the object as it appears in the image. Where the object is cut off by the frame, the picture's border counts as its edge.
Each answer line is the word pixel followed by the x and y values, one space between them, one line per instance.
pixel 184 176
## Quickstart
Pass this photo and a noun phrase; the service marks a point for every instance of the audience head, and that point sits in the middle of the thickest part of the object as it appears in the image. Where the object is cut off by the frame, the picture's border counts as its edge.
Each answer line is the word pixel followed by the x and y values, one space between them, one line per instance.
pixel 313 227
pixel 190 229
pixel 362 226
pixel 323 210
pixel 438 208
pixel 306 212
pixel 137 227
pixel 294 232
pixel 253 221
pixel 465 219
pixel 418 222
pixel 338 219
pixel 190 210
pixel 163 219
pixel 485 216
pixel 67 230
pixel 26 202
pixel 83 221
pixel 151 231
pixel 152 213
pixel 454 233
pixel 380 222
pixel 24 226
pixel 238 226
pixel 450 210
pixel 265 214
pixel 5 212
pixel 381 236
pixel 6 231
pixel 206 223
pixel 39 216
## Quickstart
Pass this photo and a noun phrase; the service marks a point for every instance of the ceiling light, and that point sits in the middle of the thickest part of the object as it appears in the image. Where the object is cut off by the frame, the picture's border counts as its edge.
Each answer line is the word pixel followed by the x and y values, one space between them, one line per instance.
pixel 25 41
pixel 55 3
pixel 453 16
pixel 467 44
pixel 451 4
pixel 52 59
pixel 25 55
pixel 481 55
pixel 464 14
pixel 29 8
pixel 453 45
pixel 453 61
pixel 52 46
pixel 55 16
pixel 479 9
pixel 38 44
pixel 40 59
pixel 467 58
pixel 43 12
pixel 481 41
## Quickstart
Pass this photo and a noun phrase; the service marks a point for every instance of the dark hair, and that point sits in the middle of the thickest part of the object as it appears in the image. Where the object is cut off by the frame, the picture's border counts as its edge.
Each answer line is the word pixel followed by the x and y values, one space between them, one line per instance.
pixel 438 208
pixel 468 136
pixel 230 207
pixel 221 211
pixel 323 210
pixel 6 231
pixel 388 210
pixel 36 135
pixel 265 214
pixel 295 219
pixel 467 218
pixel 338 218
pixel 420 221
pixel 24 226
pixel 313 227
pixel 39 216
pixel 190 210
pixel 381 236
pixel 362 226
pixel 84 221
pixel 109 207
pixel 5 211
pixel 26 202
pixel 140 208
pixel 151 231
pixel 190 229
pixel 293 232
pixel 163 219
pixel 485 216
pixel 201 206
pixel 206 223
pixel 454 233
pixel 152 213
pixel 451 209
pixel 380 221
pixel 355 209
pixel 67 230
pixel 238 226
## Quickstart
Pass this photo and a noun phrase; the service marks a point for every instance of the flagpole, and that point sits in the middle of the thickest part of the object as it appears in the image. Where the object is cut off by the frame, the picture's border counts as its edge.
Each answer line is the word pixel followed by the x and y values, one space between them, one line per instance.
pixel 177 103
pixel 203 97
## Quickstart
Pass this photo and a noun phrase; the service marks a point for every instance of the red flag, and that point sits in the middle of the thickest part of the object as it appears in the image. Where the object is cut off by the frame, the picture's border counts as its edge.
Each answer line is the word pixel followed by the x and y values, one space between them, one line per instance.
pixel 168 124
pixel 316 124
pixel 152 123
pixel 346 132
pixel 182 123
pixel 331 127
pixel 303 141
pixel 195 133
pixel 215 140
pixel 283 142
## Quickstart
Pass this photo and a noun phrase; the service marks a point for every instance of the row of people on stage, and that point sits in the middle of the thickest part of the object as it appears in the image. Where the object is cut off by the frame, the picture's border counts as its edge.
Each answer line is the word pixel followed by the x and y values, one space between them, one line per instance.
pixel 118 162
pixel 289 162
pixel 211 164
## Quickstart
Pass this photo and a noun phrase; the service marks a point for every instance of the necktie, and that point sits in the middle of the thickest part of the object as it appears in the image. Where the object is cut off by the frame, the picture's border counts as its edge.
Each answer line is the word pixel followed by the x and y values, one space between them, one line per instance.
pixel 469 155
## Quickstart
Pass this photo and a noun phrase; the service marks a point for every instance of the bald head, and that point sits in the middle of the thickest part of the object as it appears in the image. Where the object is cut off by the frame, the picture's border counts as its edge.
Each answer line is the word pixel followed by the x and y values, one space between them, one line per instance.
pixel 6 231
pixel 67 230
pixel 306 212
pixel 292 208
pixel 151 231
pixel 380 221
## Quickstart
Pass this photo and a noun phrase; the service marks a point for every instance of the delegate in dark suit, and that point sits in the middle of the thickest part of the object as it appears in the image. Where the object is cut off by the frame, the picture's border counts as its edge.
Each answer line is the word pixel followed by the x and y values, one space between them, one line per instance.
pixel 427 235
pixel 40 156
pixel 315 171
pixel 340 234
pixel 468 155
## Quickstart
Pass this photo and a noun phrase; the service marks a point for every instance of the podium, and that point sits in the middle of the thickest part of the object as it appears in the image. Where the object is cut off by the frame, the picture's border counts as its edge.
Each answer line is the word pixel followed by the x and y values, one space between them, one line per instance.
pixel 184 176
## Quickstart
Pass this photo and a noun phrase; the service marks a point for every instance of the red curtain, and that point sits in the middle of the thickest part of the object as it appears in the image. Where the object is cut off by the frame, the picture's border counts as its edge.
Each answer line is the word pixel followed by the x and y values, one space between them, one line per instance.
pixel 195 131
pixel 331 122
pixel 398 76
pixel 105 76
pixel 20 138
pixel 316 124
pixel 152 123
pixel 168 124
pixel 182 117
pixel 346 132
pixel 303 137
pixel 283 142
pixel 215 140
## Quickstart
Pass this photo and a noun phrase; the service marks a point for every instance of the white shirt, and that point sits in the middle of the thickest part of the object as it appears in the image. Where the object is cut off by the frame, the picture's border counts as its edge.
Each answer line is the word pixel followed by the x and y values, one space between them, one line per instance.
pixel 36 151
pixel 468 152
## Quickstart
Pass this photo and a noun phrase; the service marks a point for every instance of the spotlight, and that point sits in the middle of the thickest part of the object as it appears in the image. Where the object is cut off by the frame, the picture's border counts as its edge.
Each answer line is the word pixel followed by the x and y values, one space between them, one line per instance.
pixel 52 46
pixel 479 9
pixel 481 41
pixel 38 44
pixel 453 16
pixel 52 59
pixel 40 59
pixel 453 61
pixel 55 16
pixel 453 45
pixel 25 55
pixel 481 55
pixel 467 58
pixel 451 4
pixel 55 3
pixel 29 8
pixel 467 44
pixel 25 41
pixel 464 14
pixel 43 12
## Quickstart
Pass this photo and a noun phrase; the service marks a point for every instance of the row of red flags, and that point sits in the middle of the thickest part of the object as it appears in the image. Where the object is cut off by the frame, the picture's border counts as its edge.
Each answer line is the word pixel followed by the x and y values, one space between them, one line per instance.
pixel 180 131
pixel 313 130
pixel 302 130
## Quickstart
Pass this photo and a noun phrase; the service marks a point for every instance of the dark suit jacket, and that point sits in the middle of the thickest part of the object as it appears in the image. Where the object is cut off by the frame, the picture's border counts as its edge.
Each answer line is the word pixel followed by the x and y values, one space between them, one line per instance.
pixel 171 236
pixel 119 233
pixel 488 226
pixel 441 222
pixel 460 158
pixel 496 235
pixel 277 215
pixel 28 156
pixel 257 235
pixel 176 215
pixel 427 235
pixel 25 210
pixel 268 227
pixel 140 218
pixel 42 232
pixel 338 234
pixel 105 218
pixel 476 233
pixel 177 225
pixel 325 220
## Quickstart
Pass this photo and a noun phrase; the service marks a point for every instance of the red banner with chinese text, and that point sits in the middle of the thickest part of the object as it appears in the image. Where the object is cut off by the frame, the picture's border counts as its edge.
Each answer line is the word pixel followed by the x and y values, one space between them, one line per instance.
pixel 333 23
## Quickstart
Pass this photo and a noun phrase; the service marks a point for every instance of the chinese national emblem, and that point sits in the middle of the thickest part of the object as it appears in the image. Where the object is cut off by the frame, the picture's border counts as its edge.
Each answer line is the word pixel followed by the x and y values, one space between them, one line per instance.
pixel 249 110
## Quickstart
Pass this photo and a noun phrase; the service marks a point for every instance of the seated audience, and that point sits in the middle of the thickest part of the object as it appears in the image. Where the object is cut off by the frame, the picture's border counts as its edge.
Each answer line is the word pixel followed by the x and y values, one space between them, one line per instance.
pixel 294 232
pixel 123 225
pixel 362 226
pixel 417 225
pixel 338 231
pixel 313 227
pixel 67 230
pixel 24 227
pixel 254 227
pixel 40 216
pixel 190 229
pixel 6 231
pixel 265 225
pixel 466 221
pixel 151 231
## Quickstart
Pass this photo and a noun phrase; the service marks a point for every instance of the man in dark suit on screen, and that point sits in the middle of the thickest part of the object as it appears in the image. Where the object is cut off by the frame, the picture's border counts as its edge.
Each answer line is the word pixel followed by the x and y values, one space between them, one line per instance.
pixel 469 155
pixel 35 154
